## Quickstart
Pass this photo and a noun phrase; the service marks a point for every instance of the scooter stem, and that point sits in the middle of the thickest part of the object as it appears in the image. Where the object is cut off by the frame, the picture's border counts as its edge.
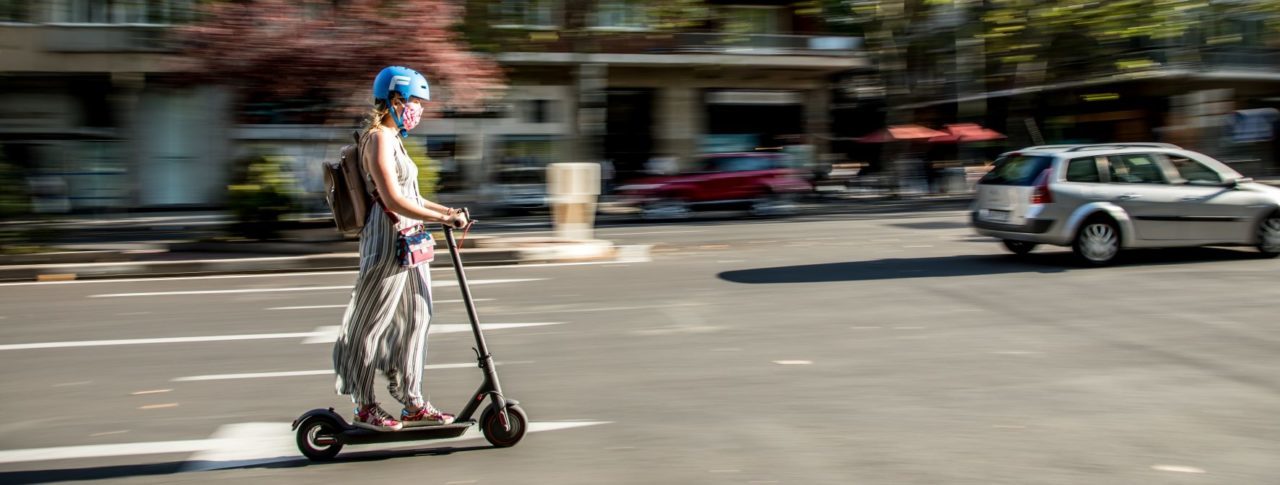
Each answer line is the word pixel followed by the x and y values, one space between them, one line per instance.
pixel 491 385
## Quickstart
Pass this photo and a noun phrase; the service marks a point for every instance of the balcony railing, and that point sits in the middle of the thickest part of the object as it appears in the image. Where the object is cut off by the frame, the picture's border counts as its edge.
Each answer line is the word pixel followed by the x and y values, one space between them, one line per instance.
pixel 648 42
pixel 766 44
pixel 106 38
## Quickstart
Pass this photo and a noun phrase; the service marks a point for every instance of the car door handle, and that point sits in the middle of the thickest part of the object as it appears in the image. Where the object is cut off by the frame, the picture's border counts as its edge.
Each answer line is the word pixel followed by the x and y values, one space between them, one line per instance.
pixel 1191 198
pixel 1128 197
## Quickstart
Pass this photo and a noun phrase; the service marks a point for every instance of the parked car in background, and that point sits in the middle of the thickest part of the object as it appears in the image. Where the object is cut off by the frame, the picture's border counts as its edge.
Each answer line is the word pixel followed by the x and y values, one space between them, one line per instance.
pixel 762 183
pixel 519 189
pixel 1100 199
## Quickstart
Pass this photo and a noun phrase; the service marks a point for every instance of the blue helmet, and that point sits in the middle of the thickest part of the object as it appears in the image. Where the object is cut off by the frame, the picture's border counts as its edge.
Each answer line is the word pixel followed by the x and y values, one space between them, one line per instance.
pixel 408 82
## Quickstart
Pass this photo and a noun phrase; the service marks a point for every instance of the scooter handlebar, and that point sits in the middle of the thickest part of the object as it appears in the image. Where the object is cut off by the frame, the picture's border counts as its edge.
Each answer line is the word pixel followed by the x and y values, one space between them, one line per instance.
pixel 470 222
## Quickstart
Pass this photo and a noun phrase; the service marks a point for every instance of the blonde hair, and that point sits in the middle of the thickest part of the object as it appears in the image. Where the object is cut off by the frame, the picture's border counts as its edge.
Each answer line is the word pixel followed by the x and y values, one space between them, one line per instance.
pixel 379 113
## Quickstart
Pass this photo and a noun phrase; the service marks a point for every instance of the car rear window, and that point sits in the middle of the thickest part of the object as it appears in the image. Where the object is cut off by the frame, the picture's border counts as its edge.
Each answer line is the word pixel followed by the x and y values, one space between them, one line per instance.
pixel 1083 170
pixel 1017 170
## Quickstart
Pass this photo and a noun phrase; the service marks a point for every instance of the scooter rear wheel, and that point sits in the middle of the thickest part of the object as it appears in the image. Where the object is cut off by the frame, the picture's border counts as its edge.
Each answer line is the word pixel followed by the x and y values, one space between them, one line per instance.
pixel 318 439
pixel 498 435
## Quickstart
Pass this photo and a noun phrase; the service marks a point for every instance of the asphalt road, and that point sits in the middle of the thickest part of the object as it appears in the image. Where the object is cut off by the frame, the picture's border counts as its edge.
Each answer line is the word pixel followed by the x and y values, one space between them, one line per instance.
pixel 870 349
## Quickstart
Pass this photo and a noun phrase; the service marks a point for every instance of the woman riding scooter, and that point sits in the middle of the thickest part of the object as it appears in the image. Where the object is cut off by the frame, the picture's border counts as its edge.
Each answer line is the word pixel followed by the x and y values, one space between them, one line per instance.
pixel 385 325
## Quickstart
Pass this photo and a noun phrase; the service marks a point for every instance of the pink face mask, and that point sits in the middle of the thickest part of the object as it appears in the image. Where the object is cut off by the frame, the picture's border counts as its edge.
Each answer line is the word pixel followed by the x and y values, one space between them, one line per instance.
pixel 411 115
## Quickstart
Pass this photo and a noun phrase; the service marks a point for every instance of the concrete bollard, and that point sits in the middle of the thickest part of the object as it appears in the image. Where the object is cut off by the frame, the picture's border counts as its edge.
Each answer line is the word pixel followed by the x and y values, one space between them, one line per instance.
pixel 572 189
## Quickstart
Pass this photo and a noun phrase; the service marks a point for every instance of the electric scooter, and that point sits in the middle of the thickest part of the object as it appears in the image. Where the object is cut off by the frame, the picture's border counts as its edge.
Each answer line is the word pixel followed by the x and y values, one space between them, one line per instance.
pixel 321 433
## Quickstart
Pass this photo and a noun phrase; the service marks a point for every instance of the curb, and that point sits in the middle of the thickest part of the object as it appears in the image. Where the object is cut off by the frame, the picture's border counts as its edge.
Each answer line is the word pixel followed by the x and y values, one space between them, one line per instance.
pixel 565 253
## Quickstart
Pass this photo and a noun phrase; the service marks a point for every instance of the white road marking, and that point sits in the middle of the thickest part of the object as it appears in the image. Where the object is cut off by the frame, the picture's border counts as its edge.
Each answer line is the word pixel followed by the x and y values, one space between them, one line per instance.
pixel 588 310
pixel 299 373
pixel 316 307
pixel 145 341
pixel 248 444
pixel 100 451
pixel 69 384
pixel 320 335
pixel 180 278
pixel 1177 468
pixel 159 406
pixel 153 391
pixel 108 433
pixel 329 333
pixel 793 362
pixel 623 259
pixel 434 284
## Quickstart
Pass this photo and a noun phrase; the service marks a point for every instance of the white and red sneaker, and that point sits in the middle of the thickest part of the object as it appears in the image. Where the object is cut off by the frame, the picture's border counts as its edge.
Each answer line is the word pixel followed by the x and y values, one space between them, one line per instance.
pixel 427 415
pixel 371 416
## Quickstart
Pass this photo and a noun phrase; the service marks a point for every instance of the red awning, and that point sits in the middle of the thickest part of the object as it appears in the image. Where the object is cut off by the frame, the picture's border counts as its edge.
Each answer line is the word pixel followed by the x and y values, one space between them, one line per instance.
pixel 966 133
pixel 900 133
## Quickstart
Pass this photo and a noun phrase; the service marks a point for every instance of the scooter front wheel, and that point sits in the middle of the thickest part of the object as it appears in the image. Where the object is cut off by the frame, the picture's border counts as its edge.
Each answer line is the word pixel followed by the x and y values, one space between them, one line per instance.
pixel 318 439
pixel 503 436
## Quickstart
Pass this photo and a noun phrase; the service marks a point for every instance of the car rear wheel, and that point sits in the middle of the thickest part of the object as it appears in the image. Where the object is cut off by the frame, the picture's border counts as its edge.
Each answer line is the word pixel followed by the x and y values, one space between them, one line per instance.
pixel 1097 243
pixel 773 204
pixel 1269 236
pixel 1020 248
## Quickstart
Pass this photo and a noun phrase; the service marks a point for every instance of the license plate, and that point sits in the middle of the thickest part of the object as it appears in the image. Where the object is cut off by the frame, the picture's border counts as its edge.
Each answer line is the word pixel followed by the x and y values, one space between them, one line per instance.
pixel 995 215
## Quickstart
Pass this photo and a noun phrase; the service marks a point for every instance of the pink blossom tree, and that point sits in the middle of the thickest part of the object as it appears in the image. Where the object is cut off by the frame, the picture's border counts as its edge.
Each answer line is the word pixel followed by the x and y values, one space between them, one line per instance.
pixel 326 52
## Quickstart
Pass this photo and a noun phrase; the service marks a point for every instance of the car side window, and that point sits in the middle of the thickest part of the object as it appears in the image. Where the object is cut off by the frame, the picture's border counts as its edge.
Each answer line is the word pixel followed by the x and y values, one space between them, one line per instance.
pixel 1194 172
pixel 1137 168
pixel 1083 170
pixel 743 164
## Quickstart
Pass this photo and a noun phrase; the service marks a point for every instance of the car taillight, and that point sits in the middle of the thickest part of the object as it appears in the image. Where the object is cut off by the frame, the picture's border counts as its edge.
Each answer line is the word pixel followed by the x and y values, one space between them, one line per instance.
pixel 1041 194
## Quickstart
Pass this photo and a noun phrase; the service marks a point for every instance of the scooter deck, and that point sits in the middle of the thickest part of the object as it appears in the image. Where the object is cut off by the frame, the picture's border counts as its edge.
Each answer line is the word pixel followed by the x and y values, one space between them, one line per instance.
pixel 355 436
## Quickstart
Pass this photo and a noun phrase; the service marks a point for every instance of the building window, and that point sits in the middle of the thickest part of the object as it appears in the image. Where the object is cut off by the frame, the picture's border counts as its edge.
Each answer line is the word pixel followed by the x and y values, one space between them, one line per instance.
pixel 751 20
pixel 526 13
pixel 121 11
pixel 539 111
pixel 621 14
pixel 15 11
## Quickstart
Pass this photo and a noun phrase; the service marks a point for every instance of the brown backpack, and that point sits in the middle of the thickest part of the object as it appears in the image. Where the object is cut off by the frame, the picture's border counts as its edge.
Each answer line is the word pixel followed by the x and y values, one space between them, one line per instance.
pixel 345 190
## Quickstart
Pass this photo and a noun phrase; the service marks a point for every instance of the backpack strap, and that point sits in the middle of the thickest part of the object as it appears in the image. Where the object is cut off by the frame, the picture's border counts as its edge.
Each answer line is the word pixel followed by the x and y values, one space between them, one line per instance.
pixel 369 183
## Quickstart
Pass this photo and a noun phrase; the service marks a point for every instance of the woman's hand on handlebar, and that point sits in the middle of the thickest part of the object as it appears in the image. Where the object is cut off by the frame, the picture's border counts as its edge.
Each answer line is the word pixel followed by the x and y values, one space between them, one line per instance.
pixel 457 219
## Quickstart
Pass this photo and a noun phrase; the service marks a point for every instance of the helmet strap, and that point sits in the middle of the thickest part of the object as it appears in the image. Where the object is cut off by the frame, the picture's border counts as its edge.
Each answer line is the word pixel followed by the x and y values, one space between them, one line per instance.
pixel 395 117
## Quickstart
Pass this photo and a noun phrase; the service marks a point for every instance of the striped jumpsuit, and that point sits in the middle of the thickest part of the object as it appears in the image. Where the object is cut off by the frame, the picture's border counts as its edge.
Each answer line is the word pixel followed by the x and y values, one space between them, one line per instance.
pixel 385 325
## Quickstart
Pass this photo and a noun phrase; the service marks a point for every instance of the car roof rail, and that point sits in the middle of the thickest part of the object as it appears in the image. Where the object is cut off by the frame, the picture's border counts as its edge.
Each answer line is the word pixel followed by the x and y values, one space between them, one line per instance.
pixel 1045 147
pixel 1102 146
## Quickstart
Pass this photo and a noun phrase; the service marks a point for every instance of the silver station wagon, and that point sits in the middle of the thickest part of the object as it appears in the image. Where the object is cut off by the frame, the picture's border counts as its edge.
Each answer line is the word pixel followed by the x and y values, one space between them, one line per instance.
pixel 1100 199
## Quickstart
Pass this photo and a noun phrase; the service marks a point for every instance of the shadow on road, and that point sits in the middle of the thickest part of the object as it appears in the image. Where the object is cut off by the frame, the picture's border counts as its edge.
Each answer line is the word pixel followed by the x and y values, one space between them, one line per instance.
pixel 969 265
pixel 176 467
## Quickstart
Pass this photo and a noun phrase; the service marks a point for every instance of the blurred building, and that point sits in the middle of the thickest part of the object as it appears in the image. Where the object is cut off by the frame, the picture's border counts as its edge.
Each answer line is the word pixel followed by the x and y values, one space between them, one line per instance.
pixel 737 75
pixel 93 110
pixel 96 109
pixel 1213 87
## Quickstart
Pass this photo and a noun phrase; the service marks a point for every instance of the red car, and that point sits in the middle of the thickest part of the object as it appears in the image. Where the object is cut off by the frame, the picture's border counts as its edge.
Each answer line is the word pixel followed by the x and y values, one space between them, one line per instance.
pixel 759 182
